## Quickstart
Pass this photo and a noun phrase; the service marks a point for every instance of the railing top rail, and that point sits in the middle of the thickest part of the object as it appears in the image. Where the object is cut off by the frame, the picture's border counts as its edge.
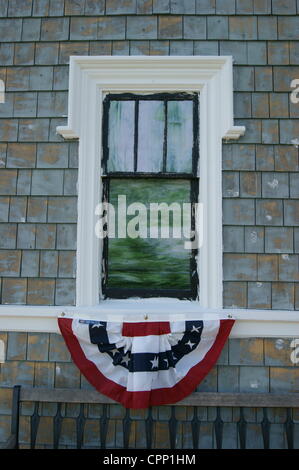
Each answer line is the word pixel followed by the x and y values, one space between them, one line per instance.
pixel 256 400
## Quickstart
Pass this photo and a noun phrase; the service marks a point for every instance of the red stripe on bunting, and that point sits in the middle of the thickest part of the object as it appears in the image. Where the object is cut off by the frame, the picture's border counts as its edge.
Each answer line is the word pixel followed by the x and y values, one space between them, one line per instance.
pixel 155 397
pixel 146 329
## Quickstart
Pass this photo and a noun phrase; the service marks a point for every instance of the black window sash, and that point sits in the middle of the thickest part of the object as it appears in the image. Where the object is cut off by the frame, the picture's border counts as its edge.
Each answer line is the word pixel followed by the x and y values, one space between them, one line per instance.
pixel 118 292
pixel 165 97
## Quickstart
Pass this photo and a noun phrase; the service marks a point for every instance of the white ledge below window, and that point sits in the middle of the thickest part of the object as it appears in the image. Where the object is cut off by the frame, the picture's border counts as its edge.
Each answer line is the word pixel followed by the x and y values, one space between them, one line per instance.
pixel 249 323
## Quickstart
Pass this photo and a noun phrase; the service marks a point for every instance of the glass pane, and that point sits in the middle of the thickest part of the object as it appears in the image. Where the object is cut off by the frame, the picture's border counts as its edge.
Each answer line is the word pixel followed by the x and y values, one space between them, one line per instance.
pixel 150 136
pixel 150 263
pixel 179 136
pixel 121 136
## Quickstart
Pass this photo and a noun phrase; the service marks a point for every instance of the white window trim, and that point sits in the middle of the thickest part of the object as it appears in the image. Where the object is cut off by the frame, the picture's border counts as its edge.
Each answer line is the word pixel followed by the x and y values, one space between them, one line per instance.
pixel 90 78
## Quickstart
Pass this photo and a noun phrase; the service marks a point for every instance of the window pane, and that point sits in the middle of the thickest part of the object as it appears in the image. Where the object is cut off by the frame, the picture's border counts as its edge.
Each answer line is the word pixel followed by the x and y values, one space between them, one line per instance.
pixel 179 136
pixel 150 263
pixel 150 136
pixel 121 136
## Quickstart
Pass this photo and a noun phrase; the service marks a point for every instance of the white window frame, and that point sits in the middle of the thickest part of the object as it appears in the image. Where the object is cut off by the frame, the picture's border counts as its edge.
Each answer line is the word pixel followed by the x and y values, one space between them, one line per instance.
pixel 92 77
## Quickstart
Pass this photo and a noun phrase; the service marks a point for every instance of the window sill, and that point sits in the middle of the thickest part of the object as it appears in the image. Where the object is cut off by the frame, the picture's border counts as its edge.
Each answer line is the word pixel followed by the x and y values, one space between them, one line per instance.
pixel 249 323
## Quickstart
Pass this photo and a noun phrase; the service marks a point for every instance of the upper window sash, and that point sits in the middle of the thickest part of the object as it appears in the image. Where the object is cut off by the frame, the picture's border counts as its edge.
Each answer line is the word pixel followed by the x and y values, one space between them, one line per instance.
pixel 147 138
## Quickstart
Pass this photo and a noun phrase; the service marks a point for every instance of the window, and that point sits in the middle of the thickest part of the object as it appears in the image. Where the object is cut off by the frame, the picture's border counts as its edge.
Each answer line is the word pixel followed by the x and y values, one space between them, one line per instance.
pixel 150 164
pixel 91 80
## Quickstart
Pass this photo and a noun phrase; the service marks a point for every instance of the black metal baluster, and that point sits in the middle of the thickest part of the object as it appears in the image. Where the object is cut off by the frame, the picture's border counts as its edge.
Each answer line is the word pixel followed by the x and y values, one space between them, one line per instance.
pixel 103 427
pixel 15 416
pixel 149 429
pixel 265 424
pixel 80 422
pixel 218 426
pixel 57 421
pixel 34 422
pixel 173 423
pixel 242 429
pixel 195 426
pixel 126 429
pixel 289 429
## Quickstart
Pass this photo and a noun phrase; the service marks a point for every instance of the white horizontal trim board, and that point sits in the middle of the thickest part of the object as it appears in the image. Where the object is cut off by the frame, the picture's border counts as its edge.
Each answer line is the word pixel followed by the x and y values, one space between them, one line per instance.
pixel 249 323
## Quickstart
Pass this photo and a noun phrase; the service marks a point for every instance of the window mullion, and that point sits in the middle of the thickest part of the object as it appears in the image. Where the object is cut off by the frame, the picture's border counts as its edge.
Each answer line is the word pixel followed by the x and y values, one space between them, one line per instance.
pixel 165 136
pixel 195 150
pixel 136 135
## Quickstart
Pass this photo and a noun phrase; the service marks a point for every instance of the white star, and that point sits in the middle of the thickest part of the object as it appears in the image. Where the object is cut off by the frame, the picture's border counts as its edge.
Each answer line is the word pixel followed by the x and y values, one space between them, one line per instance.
pixel 190 344
pixel 97 325
pixel 114 351
pixel 126 359
pixel 194 328
pixel 155 362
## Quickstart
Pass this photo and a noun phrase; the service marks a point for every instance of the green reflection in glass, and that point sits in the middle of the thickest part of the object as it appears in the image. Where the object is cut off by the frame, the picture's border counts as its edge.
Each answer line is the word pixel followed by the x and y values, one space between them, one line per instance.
pixel 151 263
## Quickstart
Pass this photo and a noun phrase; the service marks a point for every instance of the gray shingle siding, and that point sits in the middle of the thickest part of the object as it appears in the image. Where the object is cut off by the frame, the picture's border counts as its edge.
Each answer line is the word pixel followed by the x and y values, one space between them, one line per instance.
pixel 38 170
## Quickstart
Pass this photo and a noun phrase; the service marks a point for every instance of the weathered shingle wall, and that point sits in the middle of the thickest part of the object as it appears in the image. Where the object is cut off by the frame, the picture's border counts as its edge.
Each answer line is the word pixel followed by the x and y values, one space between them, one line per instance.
pixel 38 170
